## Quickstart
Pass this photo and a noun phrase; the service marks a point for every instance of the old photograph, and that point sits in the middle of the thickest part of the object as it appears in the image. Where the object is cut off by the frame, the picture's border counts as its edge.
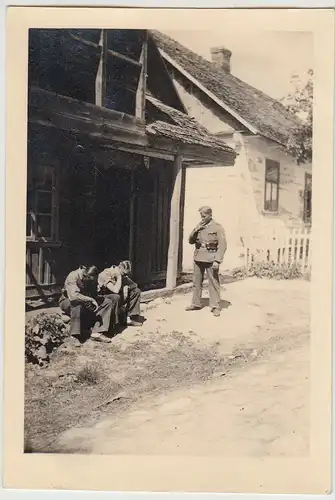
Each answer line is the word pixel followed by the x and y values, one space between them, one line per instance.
pixel 168 265
pixel 168 242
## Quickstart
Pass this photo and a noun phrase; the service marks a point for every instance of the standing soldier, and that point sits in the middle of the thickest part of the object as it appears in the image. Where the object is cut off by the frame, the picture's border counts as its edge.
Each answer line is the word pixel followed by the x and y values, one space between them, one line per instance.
pixel 210 246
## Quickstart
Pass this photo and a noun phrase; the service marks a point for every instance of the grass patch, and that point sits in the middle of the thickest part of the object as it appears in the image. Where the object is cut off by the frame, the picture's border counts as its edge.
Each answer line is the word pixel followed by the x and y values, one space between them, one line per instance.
pixel 88 375
pixel 60 396
pixel 270 270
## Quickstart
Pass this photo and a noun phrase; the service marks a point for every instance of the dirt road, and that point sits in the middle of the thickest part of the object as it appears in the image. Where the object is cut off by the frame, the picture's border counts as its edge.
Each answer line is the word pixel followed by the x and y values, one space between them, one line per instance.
pixel 259 407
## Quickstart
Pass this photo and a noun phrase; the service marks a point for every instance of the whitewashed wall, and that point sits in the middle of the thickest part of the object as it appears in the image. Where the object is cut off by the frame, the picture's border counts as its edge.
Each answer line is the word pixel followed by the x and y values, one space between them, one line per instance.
pixel 236 193
pixel 214 122
pixel 292 181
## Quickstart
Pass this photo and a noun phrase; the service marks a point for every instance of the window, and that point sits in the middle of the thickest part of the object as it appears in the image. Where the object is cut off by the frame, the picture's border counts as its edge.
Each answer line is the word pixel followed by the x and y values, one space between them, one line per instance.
pixel 41 205
pixel 271 192
pixel 122 80
pixel 61 62
pixel 103 67
pixel 308 199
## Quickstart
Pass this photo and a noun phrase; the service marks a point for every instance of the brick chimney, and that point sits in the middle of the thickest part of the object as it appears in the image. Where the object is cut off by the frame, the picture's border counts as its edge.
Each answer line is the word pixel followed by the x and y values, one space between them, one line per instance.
pixel 221 58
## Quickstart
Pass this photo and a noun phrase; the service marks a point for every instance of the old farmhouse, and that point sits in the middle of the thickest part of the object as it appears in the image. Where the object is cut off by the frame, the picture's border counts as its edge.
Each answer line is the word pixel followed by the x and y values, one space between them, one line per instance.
pixel 108 143
pixel 265 189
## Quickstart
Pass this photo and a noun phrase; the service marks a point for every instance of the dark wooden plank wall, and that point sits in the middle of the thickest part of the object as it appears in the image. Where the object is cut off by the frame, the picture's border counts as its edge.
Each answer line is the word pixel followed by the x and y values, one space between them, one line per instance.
pixel 143 234
pixel 42 263
pixel 55 59
pixel 163 177
pixel 48 262
pixel 153 187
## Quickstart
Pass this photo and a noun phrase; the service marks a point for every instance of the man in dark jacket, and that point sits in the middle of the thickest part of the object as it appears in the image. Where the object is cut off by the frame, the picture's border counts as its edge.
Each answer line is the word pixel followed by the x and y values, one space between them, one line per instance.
pixel 210 246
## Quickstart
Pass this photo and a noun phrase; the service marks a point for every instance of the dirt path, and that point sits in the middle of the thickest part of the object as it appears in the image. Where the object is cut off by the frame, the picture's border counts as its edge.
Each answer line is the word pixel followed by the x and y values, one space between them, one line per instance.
pixel 259 408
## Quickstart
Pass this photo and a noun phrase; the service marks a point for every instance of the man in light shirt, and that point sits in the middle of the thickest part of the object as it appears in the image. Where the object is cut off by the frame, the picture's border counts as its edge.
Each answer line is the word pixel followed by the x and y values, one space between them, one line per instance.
pixel 116 280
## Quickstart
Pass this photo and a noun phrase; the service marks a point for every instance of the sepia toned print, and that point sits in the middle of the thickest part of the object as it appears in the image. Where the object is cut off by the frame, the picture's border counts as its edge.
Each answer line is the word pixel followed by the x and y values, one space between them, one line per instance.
pixel 129 132
pixel 170 222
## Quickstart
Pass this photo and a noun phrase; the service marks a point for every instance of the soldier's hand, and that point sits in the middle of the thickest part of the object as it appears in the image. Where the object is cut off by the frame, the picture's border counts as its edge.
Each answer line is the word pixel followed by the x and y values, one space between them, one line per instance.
pixel 92 305
pixel 199 226
pixel 216 265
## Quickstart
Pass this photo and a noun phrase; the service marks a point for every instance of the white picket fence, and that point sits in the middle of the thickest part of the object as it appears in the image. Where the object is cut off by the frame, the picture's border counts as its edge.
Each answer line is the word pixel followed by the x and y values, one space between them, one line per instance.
pixel 286 246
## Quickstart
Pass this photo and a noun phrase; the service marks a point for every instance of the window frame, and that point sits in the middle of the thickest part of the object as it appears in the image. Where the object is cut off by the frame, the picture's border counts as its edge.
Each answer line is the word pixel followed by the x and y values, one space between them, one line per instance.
pixel 269 163
pixel 101 80
pixel 33 237
pixel 104 55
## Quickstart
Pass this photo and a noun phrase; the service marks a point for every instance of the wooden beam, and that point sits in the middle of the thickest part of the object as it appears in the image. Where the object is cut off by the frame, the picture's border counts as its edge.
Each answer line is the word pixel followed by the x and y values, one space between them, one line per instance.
pixel 78 117
pixel 193 152
pixel 100 82
pixel 142 83
pixel 108 51
pixel 50 103
pixel 135 150
pixel 77 127
pixel 172 264
pixel 181 221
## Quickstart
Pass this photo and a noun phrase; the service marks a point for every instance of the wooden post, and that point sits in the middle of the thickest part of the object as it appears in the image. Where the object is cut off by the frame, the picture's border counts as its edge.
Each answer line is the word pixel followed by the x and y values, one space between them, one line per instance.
pixel 40 266
pixel 100 82
pixel 142 83
pixel 181 221
pixel 172 264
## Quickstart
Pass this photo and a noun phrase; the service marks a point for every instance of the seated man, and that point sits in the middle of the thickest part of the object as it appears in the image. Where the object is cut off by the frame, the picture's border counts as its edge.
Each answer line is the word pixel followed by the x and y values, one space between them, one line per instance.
pixel 116 280
pixel 85 307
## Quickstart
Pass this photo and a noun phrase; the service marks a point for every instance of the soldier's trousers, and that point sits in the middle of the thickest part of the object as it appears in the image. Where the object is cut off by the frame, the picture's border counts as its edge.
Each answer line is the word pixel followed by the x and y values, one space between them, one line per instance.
pixel 133 301
pixel 213 284
pixel 103 320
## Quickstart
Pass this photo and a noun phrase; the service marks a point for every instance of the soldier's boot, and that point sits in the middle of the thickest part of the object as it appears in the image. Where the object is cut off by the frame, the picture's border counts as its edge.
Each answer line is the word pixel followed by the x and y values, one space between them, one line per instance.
pixel 192 308
pixel 101 337
pixel 133 321
pixel 216 312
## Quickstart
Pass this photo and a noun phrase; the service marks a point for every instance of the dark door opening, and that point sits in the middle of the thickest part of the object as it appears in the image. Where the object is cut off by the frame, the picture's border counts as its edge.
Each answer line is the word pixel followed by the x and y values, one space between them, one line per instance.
pixel 112 221
pixel 81 228
pixel 153 188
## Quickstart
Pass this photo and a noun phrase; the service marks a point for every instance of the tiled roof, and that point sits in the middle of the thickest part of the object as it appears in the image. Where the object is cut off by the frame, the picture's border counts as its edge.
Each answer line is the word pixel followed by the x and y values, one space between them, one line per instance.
pixel 182 128
pixel 267 115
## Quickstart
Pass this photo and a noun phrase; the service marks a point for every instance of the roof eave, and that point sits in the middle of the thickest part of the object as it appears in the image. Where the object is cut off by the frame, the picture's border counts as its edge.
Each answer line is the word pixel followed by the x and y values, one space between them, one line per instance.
pixel 210 94
pixel 194 152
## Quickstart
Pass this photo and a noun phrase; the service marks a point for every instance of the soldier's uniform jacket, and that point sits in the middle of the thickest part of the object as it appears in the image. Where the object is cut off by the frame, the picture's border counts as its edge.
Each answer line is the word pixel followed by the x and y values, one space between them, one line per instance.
pixel 112 276
pixel 76 290
pixel 210 243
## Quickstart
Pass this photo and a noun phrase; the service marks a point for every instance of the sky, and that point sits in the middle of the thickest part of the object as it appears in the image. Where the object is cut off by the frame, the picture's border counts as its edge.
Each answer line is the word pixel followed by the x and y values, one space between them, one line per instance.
pixel 264 59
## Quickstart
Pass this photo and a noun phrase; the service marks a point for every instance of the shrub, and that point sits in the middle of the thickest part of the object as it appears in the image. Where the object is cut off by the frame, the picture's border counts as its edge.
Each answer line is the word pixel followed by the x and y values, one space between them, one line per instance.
pixel 43 334
pixel 270 270
pixel 88 375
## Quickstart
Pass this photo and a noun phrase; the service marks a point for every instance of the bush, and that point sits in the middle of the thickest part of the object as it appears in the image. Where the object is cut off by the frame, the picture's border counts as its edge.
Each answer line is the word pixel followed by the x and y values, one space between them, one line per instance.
pixel 88 375
pixel 270 270
pixel 43 334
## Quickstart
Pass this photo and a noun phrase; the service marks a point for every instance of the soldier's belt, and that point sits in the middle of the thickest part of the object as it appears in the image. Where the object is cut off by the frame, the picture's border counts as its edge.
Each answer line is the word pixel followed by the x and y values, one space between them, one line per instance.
pixel 208 246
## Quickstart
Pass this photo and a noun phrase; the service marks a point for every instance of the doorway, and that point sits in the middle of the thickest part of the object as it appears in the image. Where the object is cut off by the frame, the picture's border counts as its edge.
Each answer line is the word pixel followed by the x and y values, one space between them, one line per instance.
pixel 113 197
